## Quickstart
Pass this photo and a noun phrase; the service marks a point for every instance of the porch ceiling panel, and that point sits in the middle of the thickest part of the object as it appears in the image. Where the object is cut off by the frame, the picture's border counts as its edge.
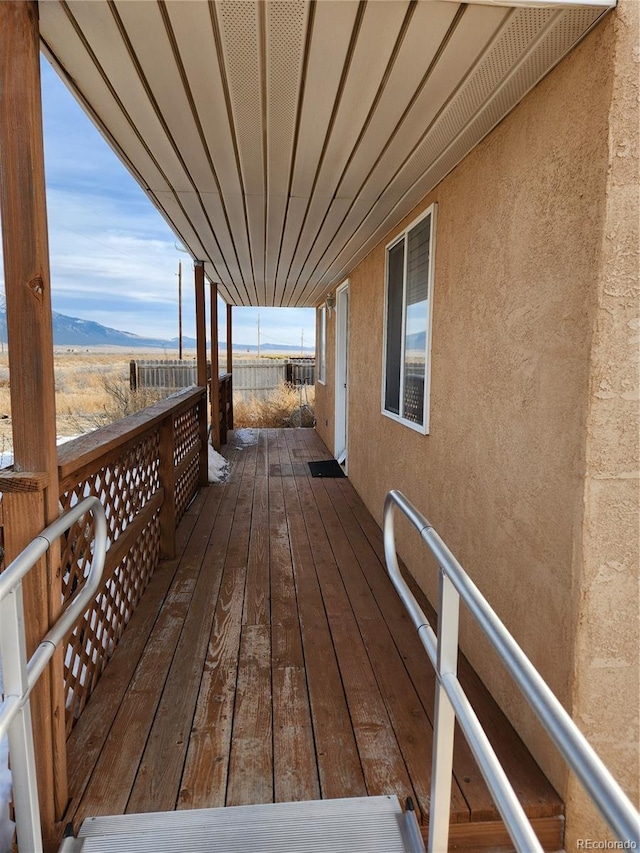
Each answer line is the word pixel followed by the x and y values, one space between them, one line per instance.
pixel 281 140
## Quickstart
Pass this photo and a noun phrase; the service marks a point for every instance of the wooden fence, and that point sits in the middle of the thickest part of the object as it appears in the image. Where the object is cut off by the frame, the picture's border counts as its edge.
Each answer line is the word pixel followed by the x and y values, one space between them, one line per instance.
pixel 260 378
pixel 255 378
pixel 164 374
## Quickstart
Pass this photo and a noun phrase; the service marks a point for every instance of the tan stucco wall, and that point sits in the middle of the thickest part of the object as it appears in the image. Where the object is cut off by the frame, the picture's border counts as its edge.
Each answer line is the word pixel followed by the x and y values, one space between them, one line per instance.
pixel 527 225
pixel 606 667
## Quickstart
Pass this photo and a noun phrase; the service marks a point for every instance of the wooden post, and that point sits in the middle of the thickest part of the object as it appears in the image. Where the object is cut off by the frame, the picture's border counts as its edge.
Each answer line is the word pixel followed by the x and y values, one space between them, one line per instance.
pixel 201 369
pixel 230 366
pixel 224 408
pixel 215 370
pixel 133 375
pixel 29 333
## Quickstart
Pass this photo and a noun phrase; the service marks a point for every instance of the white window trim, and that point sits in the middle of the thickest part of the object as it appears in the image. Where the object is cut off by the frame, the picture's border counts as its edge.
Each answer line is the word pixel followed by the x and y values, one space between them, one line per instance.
pixel 322 350
pixel 423 428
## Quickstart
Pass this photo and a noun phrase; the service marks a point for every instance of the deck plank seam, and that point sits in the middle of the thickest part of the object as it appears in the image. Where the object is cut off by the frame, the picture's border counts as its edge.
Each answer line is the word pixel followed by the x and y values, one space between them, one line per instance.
pixel 317 779
pixel 310 510
pixel 246 456
pixel 295 477
pixel 317 487
pixel 223 486
pixel 216 502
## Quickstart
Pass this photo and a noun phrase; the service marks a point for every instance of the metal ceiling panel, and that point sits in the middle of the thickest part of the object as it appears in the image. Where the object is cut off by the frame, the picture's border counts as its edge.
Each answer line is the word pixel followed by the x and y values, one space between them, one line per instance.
pixel 193 30
pixel 241 26
pixel 207 209
pixel 294 215
pixel 284 47
pixel 430 25
pixel 381 24
pixel 542 40
pixel 332 30
pixel 63 34
pixel 319 211
pixel 468 39
pixel 276 211
pixel 257 232
pixel 173 211
pixel 281 140
pixel 147 39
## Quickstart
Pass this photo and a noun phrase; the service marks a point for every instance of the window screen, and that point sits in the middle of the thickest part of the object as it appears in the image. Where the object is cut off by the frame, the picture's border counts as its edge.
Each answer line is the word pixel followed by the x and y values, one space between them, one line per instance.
pixel 394 327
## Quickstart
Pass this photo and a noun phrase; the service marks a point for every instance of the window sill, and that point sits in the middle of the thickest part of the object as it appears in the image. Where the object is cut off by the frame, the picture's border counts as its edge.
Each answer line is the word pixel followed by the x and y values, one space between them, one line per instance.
pixel 419 428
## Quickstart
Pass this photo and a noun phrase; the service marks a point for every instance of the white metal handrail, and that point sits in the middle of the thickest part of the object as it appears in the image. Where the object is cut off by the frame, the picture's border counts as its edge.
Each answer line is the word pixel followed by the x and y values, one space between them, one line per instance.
pixel 451 701
pixel 20 675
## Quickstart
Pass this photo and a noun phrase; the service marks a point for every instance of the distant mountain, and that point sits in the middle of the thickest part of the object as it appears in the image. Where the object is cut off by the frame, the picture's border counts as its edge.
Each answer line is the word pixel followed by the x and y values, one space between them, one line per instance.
pixel 73 332
pixel 307 351
pixel 417 341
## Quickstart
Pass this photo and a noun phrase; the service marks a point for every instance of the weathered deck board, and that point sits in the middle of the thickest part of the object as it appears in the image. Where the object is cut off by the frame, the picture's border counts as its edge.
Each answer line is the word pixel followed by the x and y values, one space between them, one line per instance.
pixel 532 788
pixel 273 661
pixel 408 718
pixel 382 764
pixel 117 766
pixel 87 737
pixel 468 780
pixel 339 766
pixel 160 769
pixel 204 782
pixel 295 772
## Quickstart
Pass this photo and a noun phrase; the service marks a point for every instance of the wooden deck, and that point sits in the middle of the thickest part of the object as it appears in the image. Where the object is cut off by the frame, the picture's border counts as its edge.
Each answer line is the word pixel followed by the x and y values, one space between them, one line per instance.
pixel 273 661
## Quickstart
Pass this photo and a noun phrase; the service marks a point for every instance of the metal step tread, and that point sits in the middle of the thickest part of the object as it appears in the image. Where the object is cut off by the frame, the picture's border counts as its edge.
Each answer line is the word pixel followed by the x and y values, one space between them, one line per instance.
pixel 350 825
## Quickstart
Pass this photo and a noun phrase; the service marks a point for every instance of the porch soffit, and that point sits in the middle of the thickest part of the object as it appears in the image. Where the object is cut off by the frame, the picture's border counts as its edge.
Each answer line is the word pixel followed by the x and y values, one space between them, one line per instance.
pixel 281 140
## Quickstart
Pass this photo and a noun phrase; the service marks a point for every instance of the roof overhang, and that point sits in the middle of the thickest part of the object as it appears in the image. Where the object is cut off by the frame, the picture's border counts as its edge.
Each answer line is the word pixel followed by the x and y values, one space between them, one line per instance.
pixel 281 140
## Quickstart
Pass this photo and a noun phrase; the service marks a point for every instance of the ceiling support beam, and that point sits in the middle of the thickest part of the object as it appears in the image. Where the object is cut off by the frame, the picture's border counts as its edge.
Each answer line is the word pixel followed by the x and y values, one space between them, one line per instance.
pixel 29 332
pixel 201 369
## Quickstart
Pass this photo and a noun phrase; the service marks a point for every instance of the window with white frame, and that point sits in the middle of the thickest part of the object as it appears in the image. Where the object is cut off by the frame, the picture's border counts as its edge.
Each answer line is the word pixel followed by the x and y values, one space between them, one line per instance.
pixel 322 343
pixel 408 298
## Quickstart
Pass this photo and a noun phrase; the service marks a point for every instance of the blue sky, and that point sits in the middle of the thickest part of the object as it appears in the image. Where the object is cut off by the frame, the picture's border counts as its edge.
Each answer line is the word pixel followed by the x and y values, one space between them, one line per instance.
pixel 113 258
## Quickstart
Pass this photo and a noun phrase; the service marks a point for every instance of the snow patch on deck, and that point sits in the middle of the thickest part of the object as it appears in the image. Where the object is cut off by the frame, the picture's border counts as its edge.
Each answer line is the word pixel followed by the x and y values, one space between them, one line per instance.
pixel 218 467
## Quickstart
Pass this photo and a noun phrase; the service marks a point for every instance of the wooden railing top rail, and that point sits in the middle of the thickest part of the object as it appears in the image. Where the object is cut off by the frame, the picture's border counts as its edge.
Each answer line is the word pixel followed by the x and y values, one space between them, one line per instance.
pixel 87 448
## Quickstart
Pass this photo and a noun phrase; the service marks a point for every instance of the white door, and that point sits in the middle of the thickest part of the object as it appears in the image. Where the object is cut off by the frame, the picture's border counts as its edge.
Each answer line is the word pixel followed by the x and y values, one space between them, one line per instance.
pixel 342 372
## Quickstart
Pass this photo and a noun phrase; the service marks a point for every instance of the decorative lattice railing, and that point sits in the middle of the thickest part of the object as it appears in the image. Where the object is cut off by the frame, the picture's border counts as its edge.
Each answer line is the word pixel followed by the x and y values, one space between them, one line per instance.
pixel 145 470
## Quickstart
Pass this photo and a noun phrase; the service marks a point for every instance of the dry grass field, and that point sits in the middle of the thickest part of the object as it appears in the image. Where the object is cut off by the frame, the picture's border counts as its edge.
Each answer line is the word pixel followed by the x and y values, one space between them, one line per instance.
pixel 281 408
pixel 92 389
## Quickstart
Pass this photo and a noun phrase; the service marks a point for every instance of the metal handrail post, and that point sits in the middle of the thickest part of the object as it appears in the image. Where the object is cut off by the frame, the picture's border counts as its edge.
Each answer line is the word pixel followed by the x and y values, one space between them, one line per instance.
pixel 20 732
pixel 444 716
pixel 610 800
pixel 20 675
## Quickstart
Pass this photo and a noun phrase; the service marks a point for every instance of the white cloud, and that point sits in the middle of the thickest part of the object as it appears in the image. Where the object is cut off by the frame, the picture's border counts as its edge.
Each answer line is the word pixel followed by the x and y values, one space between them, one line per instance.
pixel 113 258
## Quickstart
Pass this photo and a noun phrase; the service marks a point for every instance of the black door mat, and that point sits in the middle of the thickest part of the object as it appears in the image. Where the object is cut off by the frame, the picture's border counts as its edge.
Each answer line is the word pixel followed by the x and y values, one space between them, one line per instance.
pixel 327 468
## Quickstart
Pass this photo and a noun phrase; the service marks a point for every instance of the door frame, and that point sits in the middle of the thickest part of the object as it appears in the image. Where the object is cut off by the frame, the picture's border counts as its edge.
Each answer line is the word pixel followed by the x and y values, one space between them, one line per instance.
pixel 341 434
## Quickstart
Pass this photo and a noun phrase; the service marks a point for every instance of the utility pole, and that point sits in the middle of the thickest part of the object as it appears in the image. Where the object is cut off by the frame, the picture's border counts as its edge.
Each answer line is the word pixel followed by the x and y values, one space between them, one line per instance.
pixel 302 344
pixel 180 310
pixel 258 335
